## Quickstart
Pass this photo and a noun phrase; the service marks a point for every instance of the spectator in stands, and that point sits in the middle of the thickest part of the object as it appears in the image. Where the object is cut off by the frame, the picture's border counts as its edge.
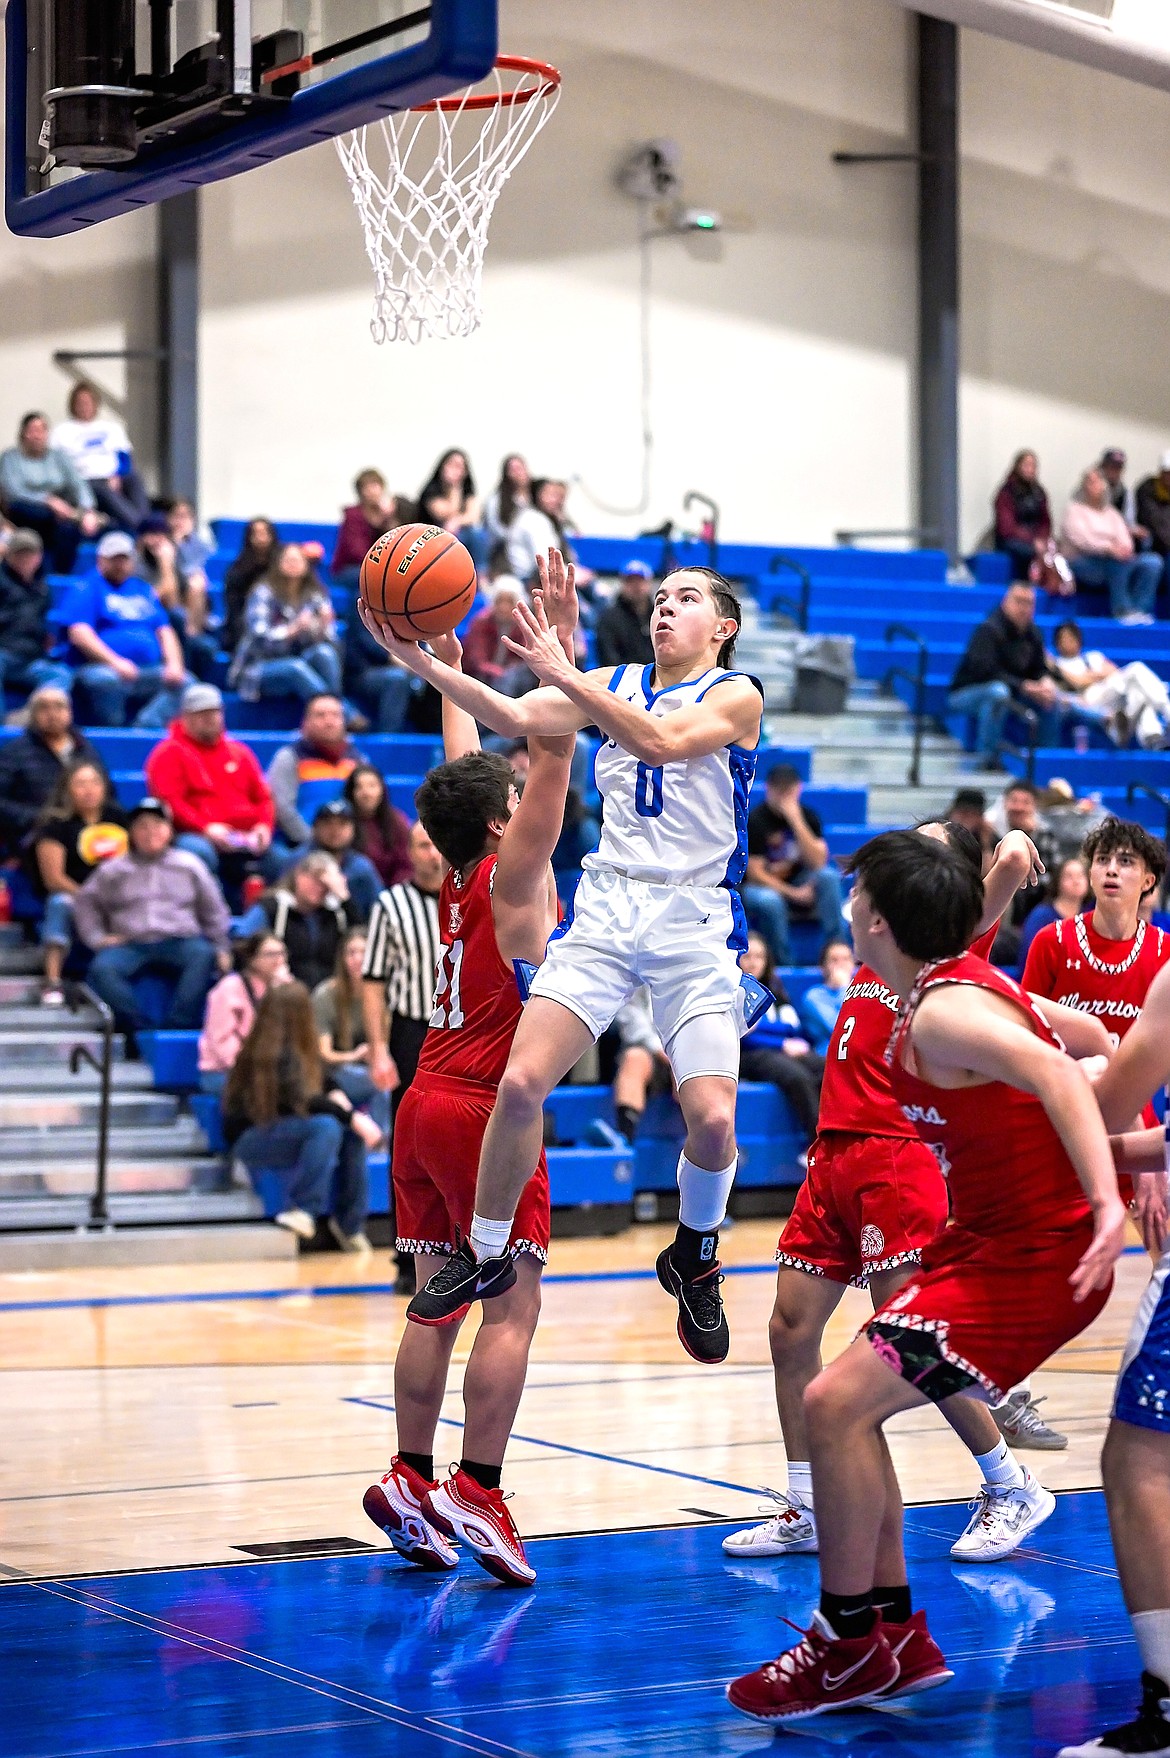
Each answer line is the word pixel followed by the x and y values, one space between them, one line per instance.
pixel 345 1050
pixel 544 526
pixel 788 871
pixel 81 826
pixel 1019 809
pixel 449 498
pixel 1121 496
pixel 821 1002
pixel 372 679
pixel 261 542
pixel 511 495
pixel 121 639
pixel 154 909
pixel 643 1068
pixel 1065 891
pixel 261 962
pixel 288 646
pixel 1152 504
pixel 969 808
pixel 375 511
pixel 775 1049
pixel 302 776
pixel 24 618
pixel 333 831
pixel 215 789
pixel 41 491
pixel 1005 668
pixel 309 909
pixel 1134 698
pixel 31 764
pixel 1096 540
pixel 381 831
pixel 1023 519
pixel 623 628
pixel 191 547
pixel 98 447
pixel 280 1115
pixel 484 654
pixel 182 595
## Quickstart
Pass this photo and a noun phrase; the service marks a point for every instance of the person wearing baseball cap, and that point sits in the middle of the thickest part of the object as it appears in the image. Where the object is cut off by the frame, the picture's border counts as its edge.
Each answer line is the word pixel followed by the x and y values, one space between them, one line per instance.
pixel 121 639
pixel 24 618
pixel 216 791
pixel 1152 505
pixel 623 628
pixel 1121 496
pixel 334 830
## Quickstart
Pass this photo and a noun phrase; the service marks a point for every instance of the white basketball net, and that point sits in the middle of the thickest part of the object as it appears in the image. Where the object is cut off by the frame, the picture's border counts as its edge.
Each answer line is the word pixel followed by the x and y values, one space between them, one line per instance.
pixel 425 183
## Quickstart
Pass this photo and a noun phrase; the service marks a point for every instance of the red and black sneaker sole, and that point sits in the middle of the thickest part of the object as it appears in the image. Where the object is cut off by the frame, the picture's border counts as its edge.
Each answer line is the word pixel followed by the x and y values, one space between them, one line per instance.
pixel 378 1509
pixel 448 1318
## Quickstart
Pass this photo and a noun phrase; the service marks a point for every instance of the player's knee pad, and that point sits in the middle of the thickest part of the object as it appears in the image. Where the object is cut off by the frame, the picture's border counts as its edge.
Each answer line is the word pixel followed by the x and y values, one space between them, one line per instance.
pixel 706 1044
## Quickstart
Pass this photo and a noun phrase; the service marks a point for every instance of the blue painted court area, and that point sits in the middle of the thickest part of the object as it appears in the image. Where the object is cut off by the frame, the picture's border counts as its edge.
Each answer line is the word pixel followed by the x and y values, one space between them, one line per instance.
pixel 623 1646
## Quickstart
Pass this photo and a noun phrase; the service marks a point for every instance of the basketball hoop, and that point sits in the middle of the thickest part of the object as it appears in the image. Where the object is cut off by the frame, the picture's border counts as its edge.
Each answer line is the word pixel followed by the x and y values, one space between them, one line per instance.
pixel 425 203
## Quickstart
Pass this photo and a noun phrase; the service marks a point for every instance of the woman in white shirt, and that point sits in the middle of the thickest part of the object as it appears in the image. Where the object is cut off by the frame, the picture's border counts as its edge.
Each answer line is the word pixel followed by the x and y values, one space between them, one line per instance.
pixel 99 448
pixel 1134 697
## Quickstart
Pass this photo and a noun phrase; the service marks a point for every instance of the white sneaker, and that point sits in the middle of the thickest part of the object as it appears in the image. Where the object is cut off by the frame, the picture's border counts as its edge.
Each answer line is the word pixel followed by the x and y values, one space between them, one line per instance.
pixel 789 1533
pixel 1020 1423
pixel 1002 1519
pixel 297 1221
pixel 354 1243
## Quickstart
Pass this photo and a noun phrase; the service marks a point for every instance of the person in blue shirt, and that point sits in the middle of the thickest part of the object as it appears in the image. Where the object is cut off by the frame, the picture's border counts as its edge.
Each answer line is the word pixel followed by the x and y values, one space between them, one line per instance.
pixel 775 1049
pixel 121 640
pixel 822 1002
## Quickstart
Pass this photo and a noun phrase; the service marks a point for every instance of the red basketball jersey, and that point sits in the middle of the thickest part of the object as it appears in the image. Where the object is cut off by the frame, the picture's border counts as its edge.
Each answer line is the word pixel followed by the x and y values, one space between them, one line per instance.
pixel 1070 962
pixel 477 1003
pixel 982 944
pixel 855 1090
pixel 1006 1167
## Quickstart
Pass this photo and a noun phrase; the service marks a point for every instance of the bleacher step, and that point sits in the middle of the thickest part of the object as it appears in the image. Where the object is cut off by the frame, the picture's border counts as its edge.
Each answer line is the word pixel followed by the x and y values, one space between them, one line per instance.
pixel 164 1209
pixel 208 1238
pixel 183 1138
pixel 69 1110
pixel 49 1076
pixel 49 1045
pixel 54 1021
pixel 126 1176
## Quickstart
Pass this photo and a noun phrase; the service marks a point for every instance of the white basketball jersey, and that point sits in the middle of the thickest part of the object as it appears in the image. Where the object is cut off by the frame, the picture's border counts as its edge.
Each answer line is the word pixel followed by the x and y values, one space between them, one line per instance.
pixel 685 819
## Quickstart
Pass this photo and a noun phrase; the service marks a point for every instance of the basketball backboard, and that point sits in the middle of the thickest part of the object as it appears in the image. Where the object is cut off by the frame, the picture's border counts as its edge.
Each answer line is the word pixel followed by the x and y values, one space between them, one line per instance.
pixel 112 105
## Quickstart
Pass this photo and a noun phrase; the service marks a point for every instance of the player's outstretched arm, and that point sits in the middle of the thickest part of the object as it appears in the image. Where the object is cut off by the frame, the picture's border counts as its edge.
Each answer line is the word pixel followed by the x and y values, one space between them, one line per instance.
pixel 961 1029
pixel 541 711
pixel 729 714
pixel 1017 863
pixel 523 891
pixel 1081 1033
pixel 460 733
pixel 1142 1063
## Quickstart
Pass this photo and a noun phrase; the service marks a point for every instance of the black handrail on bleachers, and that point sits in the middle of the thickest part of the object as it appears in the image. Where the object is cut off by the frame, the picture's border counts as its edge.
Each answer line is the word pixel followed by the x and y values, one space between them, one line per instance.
pixel 797 608
pixel 1032 721
pixel 899 631
pixel 77 995
pixel 704 500
pixel 1151 793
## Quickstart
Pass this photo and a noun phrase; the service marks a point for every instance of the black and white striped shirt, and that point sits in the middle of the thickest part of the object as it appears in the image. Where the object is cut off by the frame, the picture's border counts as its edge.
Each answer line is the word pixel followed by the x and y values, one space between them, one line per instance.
pixel 402 948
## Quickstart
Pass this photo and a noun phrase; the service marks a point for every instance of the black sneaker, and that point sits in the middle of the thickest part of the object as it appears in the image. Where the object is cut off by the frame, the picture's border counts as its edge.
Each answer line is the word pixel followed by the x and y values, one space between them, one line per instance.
pixel 1148 1736
pixel 462 1279
pixel 702 1327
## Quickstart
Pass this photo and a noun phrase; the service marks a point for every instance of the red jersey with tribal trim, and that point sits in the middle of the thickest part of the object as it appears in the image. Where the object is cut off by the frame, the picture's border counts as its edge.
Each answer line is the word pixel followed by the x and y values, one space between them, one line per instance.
pixel 477 1003
pixel 1007 1170
pixel 982 944
pixel 1071 963
pixel 855 1090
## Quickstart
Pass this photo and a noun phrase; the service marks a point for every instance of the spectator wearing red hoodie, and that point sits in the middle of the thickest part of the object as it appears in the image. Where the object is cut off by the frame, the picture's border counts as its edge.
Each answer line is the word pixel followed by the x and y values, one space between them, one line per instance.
pixel 215 788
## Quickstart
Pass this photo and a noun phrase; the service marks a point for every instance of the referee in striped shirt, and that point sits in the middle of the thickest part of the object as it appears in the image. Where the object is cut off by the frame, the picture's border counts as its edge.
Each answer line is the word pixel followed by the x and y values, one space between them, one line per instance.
pixel 402 951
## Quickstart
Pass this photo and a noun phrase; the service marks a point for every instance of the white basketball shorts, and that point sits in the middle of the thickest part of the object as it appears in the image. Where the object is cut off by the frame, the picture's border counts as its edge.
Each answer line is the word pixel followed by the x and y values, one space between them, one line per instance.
pixel 677 939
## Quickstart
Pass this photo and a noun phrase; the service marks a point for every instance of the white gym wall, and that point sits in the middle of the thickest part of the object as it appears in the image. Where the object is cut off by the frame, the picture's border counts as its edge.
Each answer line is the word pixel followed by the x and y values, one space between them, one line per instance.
pixel 782 353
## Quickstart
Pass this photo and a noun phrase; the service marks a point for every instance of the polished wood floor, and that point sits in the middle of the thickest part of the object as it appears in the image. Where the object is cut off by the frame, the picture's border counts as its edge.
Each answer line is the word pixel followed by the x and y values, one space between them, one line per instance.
pixel 167 1416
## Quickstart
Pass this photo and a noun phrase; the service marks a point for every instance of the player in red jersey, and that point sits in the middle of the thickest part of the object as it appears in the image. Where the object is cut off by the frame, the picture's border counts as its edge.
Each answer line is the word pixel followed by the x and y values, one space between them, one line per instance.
pixel 1025 1263
pixel 497 904
pixel 875 1195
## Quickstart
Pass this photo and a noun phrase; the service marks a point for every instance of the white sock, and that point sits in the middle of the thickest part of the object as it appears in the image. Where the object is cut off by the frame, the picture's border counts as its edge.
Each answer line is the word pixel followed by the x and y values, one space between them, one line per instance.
pixel 1152 1632
pixel 1000 1469
pixel 489 1238
pixel 702 1195
pixel 800 1482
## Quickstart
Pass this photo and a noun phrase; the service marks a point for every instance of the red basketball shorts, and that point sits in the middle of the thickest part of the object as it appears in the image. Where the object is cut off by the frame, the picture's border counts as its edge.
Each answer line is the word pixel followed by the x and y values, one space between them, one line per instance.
pixel 983 1313
pixel 438 1133
pixel 868 1203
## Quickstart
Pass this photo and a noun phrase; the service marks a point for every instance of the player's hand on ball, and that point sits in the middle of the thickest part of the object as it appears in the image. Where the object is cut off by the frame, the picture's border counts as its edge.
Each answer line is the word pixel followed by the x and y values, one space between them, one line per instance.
pixel 407 653
pixel 1096 1267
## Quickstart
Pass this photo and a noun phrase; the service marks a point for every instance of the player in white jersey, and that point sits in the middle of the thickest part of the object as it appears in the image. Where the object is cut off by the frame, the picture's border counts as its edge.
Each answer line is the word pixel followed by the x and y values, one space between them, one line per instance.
pixel 656 905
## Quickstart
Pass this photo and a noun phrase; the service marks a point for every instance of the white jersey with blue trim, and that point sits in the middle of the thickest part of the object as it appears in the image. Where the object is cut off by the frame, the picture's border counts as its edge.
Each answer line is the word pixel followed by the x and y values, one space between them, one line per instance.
pixel 684 823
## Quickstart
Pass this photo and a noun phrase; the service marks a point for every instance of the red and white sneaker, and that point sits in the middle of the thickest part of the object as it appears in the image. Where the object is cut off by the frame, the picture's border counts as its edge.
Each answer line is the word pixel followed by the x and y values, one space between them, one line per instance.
pixel 920 1660
pixel 397 1503
pixel 463 1509
pixel 821 1673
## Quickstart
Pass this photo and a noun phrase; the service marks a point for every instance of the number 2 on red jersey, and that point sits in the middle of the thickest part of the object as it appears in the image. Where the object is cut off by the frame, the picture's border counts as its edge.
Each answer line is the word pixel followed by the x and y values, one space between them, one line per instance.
pixel 448 1010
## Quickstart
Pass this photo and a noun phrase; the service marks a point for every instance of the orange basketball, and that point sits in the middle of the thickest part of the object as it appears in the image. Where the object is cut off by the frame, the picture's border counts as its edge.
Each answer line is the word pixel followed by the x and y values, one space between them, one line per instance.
pixel 419 580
